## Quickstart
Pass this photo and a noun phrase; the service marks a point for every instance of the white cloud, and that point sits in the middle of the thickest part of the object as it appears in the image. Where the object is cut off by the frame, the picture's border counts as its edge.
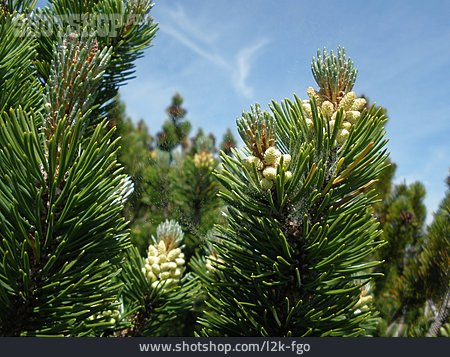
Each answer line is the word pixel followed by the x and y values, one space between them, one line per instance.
pixel 204 42
pixel 184 40
pixel 244 61
pixel 183 22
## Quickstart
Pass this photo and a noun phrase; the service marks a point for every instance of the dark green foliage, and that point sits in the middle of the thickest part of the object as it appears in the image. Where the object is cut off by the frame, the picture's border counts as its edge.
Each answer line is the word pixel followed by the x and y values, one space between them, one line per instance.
pixel 433 268
pixel 11 6
pixel 422 290
pixel 62 232
pixel 53 273
pixel 402 215
pixel 18 82
pixel 150 170
pixel 183 188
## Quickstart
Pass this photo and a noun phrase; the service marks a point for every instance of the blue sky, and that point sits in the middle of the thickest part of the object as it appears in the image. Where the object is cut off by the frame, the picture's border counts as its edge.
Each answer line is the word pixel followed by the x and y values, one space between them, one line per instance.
pixel 224 55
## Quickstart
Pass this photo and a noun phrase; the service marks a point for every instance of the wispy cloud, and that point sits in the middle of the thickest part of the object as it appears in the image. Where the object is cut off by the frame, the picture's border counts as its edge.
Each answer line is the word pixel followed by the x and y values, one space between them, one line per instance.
pixel 244 61
pixel 204 43
pixel 186 40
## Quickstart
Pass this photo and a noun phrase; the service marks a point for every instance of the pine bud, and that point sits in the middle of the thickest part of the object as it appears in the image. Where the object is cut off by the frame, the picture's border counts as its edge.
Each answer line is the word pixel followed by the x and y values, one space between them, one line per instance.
pixel 155 284
pixel 151 276
pixel 311 92
pixel 164 275
pixel 172 265
pixel 342 136
pixel 253 160
pixel 266 184
pixel 169 282
pixel 161 248
pixel 287 176
pixel 152 250
pixel 309 123
pixel 249 160
pixel 307 108
pixel 347 101
pixel 358 104
pixel 270 173
pixel 346 125
pixel 111 316
pixel 165 266
pixel 332 123
pixel 156 269
pixel 173 254
pixel 286 160
pixel 271 155
pixel 327 108
pixel 353 116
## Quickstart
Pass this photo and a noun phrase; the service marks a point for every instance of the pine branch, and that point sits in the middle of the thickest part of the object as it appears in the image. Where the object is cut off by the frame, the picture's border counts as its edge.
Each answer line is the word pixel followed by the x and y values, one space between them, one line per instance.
pixel 61 227
pixel 128 31
pixel 155 292
pixel 295 254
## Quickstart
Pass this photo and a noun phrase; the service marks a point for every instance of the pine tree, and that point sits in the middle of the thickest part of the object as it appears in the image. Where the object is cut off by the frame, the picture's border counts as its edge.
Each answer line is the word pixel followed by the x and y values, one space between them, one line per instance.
pixel 434 271
pixel 421 290
pixel 176 129
pixel 194 190
pixel 183 189
pixel 62 190
pixel 145 208
pixel 228 142
pixel 293 259
pixel 403 232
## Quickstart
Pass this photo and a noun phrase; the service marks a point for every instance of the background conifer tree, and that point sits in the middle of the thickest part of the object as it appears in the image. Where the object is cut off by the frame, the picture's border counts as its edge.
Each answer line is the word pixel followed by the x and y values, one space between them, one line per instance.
pixel 228 142
pixel 414 297
pixel 175 130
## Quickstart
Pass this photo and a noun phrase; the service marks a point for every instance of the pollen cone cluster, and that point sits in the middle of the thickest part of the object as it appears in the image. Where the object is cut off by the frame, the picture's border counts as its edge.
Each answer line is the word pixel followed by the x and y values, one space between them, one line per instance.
pixel 212 261
pixel 268 165
pixel 204 160
pixel 165 263
pixel 349 103
pixel 112 316
pixel 365 298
